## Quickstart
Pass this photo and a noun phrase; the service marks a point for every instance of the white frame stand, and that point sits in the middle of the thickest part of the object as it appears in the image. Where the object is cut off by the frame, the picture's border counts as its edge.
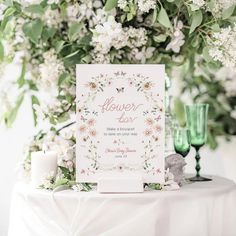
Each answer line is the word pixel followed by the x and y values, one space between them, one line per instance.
pixel 118 184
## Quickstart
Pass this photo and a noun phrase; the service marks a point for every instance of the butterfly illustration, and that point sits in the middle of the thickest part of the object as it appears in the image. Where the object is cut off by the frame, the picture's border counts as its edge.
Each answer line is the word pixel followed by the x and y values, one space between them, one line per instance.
pixel 158 118
pixel 120 90
pixel 82 118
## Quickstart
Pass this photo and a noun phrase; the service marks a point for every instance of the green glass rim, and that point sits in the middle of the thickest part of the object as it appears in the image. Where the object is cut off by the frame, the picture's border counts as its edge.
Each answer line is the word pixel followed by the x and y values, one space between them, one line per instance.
pixel 197 105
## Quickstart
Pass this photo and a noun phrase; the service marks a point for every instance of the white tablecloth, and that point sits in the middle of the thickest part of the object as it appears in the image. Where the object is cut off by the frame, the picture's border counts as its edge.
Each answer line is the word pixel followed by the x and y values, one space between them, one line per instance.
pixel 198 209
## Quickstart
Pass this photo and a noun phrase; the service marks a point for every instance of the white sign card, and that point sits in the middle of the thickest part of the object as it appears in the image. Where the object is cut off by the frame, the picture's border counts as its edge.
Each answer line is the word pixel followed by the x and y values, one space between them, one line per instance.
pixel 120 122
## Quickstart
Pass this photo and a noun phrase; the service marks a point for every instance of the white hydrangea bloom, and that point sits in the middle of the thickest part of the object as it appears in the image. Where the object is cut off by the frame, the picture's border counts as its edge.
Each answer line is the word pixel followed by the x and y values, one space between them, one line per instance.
pixel 107 35
pixel 52 18
pixel 53 1
pixel 50 69
pixel 223 47
pixel 111 34
pixel 221 5
pixel 136 37
pixel 233 113
pixel 177 38
pixel 122 4
pixel 141 55
pixel 199 3
pixel 228 78
pixel 146 5
pixel 26 3
pixel 86 10
pixel 2 9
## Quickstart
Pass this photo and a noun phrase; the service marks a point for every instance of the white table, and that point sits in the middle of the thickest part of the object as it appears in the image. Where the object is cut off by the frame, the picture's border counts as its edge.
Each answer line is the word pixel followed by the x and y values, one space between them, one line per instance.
pixel 199 209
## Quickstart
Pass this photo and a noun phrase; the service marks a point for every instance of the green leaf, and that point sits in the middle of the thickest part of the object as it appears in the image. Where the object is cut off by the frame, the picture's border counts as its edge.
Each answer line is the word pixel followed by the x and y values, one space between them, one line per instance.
pixel 179 111
pixel 9 12
pixel 21 79
pixel 35 9
pixel 110 4
pixel 211 4
pixel 63 78
pixel 215 27
pixel 1 51
pixel 11 115
pixel 130 16
pixel 154 16
pixel 74 30
pixel 194 7
pixel 205 53
pixel 228 12
pixel 59 45
pixel 163 18
pixel 48 33
pixel 61 182
pixel 34 100
pixel 196 20
pixel 33 30
pixel 160 38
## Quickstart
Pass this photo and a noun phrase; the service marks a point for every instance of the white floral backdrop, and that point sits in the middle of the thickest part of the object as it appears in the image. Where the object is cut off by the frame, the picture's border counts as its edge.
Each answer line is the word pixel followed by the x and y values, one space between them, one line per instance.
pixel 195 39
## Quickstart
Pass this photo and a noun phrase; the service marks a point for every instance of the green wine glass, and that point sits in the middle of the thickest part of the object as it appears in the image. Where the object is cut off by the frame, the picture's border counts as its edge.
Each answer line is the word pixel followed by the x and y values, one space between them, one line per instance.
pixel 196 117
pixel 182 141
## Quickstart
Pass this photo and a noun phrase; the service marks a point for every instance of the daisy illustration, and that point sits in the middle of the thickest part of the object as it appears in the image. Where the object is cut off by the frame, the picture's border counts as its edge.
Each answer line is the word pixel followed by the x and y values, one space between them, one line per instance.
pixel 147 132
pixel 149 121
pixel 93 133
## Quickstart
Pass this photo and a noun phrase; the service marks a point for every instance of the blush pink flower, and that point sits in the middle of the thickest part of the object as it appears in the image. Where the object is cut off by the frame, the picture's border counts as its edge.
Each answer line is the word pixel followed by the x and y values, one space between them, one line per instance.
pixel 91 122
pixel 158 128
pixel 82 128
pixel 149 121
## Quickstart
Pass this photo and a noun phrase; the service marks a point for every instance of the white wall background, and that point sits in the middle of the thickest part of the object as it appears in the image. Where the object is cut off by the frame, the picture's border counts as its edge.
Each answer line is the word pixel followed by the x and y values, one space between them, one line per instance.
pixel 220 162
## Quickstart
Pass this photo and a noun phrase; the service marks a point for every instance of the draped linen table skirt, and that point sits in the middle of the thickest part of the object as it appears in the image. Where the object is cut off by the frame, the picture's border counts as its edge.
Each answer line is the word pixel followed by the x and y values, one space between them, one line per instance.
pixel 197 209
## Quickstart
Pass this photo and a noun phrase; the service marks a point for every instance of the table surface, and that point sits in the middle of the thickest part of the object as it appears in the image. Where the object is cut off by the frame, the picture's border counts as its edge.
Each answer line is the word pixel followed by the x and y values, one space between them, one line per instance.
pixel 219 185
pixel 198 209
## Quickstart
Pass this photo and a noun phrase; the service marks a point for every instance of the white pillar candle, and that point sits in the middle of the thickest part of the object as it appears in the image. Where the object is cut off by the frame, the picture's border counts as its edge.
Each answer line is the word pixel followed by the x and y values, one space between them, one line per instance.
pixel 42 164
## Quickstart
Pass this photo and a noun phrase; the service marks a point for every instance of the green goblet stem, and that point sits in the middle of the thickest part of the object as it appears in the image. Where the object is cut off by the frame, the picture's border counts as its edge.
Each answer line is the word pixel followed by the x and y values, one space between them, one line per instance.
pixel 197 158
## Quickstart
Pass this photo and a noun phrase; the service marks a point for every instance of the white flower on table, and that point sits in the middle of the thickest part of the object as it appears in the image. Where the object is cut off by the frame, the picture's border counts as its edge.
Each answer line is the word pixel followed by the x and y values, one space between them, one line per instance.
pixel 177 38
pixel 169 184
pixel 48 180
